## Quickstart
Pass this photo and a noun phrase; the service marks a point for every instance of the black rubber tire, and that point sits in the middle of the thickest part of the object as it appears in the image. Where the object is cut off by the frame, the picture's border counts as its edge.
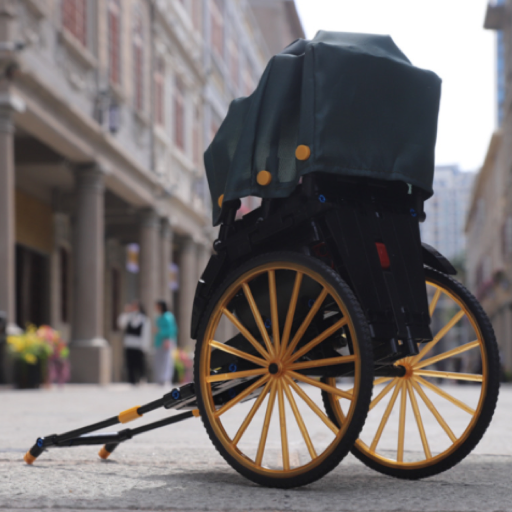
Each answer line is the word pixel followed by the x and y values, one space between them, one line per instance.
pixel 366 381
pixel 487 412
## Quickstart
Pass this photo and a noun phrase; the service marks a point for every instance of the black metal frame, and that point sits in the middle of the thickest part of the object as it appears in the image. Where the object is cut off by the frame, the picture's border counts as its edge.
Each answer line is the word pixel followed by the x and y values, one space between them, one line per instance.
pixel 342 221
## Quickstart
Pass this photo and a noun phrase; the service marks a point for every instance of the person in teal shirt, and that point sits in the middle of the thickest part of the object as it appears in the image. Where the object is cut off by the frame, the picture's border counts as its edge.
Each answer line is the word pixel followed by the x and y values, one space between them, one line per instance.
pixel 166 334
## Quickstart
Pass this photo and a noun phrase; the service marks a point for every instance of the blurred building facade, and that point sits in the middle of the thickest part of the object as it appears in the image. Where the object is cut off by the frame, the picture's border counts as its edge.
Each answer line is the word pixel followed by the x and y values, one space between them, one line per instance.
pixel 279 22
pixel 106 107
pixel 446 211
pixel 489 221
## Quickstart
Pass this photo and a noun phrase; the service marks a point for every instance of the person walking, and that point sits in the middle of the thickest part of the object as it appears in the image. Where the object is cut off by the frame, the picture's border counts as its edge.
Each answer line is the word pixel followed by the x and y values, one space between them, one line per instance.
pixel 166 333
pixel 136 340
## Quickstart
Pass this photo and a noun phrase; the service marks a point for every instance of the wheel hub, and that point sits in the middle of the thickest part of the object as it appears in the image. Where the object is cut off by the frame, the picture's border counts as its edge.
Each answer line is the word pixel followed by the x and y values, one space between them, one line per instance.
pixel 273 368
pixel 407 368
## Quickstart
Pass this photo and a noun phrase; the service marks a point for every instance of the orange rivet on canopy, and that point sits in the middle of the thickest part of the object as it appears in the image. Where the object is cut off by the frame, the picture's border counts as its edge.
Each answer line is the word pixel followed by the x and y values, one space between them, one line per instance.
pixel 220 200
pixel 264 178
pixel 302 152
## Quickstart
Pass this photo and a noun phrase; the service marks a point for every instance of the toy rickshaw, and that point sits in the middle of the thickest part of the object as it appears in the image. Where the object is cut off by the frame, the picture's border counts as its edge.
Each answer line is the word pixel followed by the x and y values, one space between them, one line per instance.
pixel 325 294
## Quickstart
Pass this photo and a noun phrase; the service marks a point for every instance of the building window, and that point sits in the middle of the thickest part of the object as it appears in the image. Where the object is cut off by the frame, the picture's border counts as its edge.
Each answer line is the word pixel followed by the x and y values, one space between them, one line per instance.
pixel 193 10
pixel 74 19
pixel 114 41
pixel 214 127
pixel 179 114
pixel 196 138
pixel 500 75
pixel 248 83
pixel 64 284
pixel 138 58
pixel 506 237
pixel 160 91
pixel 217 26
pixel 115 297
pixel 196 15
pixel 234 65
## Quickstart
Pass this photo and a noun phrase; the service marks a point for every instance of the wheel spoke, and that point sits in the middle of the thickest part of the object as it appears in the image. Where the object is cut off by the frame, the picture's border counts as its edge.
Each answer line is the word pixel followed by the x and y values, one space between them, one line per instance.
pixel 239 353
pixel 446 395
pixel 321 385
pixel 317 363
pixel 447 355
pixel 236 375
pixel 381 380
pixel 433 304
pixel 385 418
pixel 291 312
pixel 305 324
pixel 434 411
pixel 376 382
pixel 274 315
pixel 266 423
pixel 245 393
pixel 300 421
pixel 245 333
pixel 321 337
pixel 450 375
pixel 282 424
pixel 401 426
pixel 257 317
pixel 429 346
pixel 312 405
pixel 383 393
pixel 254 409
pixel 419 421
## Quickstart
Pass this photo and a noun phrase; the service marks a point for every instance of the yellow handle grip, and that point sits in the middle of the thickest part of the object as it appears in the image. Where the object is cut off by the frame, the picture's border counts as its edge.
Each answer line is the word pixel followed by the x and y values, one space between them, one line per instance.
pixel 129 415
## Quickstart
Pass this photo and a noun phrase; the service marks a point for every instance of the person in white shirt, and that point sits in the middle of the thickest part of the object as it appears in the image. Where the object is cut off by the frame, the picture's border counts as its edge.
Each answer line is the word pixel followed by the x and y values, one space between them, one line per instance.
pixel 137 339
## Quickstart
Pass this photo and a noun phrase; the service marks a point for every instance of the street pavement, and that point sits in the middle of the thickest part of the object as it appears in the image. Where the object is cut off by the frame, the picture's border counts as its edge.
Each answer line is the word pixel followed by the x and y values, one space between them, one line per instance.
pixel 177 467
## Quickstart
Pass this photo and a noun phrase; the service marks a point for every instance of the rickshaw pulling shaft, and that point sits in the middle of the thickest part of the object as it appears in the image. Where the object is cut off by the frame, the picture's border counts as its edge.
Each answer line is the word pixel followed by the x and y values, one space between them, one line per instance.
pixel 178 397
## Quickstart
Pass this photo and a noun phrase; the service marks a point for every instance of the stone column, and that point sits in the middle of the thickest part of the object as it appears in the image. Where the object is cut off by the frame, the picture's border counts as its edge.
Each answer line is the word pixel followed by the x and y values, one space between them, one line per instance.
pixel 90 353
pixel 149 267
pixel 9 104
pixel 7 214
pixel 165 261
pixel 188 281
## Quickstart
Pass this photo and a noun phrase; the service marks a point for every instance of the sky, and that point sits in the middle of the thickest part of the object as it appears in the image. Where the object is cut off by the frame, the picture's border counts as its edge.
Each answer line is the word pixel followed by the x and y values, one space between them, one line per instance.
pixel 445 36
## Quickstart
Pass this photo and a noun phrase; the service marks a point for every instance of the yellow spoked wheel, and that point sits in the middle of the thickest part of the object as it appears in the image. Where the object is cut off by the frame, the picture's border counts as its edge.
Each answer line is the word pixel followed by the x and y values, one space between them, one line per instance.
pixel 428 420
pixel 276 326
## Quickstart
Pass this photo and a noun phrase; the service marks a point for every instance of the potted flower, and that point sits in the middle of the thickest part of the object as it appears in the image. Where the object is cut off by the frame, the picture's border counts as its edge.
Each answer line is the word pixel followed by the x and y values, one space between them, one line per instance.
pixel 57 363
pixel 40 355
pixel 30 355
pixel 182 366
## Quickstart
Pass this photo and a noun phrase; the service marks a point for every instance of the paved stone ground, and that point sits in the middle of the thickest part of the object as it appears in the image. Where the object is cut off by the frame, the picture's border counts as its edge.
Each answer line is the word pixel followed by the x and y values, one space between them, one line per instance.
pixel 177 468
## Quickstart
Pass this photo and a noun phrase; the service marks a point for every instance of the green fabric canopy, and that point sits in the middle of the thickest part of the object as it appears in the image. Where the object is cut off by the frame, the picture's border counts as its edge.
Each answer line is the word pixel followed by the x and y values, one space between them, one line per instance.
pixel 354 100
